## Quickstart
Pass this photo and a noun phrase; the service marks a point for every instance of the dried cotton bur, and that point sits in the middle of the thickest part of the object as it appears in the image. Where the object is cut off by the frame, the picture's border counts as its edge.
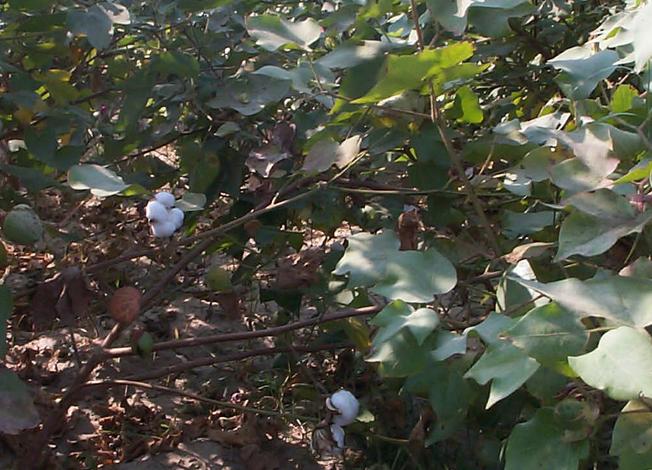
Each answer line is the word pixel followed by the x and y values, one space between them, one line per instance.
pixel 124 305
pixel 163 217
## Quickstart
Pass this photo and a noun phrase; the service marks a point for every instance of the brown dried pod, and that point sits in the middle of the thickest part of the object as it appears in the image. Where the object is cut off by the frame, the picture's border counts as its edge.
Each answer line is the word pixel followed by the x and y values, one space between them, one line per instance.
pixel 124 306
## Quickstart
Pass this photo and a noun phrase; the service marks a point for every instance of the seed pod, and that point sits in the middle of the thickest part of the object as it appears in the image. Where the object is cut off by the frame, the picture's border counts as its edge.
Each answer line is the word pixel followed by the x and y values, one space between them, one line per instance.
pixel 124 306
pixel 22 225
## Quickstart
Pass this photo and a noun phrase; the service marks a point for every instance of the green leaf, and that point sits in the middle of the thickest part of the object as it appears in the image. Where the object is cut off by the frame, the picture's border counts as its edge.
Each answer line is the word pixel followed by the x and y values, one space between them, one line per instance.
pixel 34 180
pixel 6 306
pixel 273 32
pixel 549 334
pixel 327 152
pixel 365 257
pixel 466 107
pixel 409 72
pixel 490 329
pixel 349 55
pixel 582 70
pixel 191 202
pixel 516 224
pixel 96 23
pixel 602 218
pixel 416 276
pixel 623 98
pixel 506 366
pixel 419 322
pixel 539 441
pixel 622 300
pixel 620 364
pixel 412 276
pixel 100 180
pixel 250 94
pixel 400 355
pixel 632 433
pixel 17 411
pixel 453 15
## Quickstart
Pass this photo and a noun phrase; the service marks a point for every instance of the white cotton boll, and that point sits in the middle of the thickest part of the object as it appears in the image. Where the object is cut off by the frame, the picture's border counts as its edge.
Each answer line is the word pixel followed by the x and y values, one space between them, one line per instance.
pixel 346 405
pixel 156 212
pixel 338 435
pixel 165 198
pixel 176 216
pixel 163 229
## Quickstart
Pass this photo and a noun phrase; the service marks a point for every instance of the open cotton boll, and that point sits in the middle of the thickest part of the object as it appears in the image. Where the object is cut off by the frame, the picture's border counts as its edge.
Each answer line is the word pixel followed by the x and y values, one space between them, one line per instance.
pixel 163 229
pixel 165 198
pixel 346 405
pixel 156 212
pixel 176 216
pixel 338 435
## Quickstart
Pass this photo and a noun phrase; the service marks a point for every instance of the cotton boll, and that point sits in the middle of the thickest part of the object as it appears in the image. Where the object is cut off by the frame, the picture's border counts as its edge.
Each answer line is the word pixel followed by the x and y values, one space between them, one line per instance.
pixel 338 435
pixel 156 212
pixel 163 229
pixel 165 198
pixel 176 216
pixel 346 405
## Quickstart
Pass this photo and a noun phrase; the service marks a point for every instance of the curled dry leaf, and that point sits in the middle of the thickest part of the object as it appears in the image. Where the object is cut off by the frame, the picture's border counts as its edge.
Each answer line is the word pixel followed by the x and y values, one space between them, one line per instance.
pixel 65 296
pixel 408 227
pixel 124 305
pixel 299 270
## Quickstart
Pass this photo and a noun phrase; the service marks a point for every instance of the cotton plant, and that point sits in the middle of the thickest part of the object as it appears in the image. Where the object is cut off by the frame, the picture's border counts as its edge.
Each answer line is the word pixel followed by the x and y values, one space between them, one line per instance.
pixel 164 219
pixel 343 409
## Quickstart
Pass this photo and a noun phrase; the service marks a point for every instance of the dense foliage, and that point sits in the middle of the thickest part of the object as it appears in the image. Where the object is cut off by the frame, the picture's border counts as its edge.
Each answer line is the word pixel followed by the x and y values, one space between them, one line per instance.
pixel 492 162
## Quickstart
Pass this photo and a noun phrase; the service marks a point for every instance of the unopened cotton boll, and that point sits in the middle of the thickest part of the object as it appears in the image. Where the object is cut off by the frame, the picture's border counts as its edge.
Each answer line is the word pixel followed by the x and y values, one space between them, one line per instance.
pixel 165 198
pixel 163 229
pixel 156 212
pixel 176 216
pixel 346 405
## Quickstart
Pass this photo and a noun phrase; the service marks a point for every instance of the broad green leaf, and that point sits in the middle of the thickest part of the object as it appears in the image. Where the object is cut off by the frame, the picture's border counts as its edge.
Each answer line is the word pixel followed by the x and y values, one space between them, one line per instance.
pixel 582 70
pixel 419 322
pixel 453 15
pixel 409 72
pixel 466 107
pixel 447 344
pixel 516 224
pixel 191 202
pixel 539 441
pixel 96 23
pixel 327 152
pixel 450 396
pixel 506 367
pixel 632 433
pixel 601 219
pixel 641 171
pixel 6 306
pixel 400 355
pixel 623 98
pixel 620 364
pixel 622 300
pixel 575 176
pixel 34 180
pixel 365 257
pixel 250 94
pixel 17 411
pixel 100 180
pixel 549 334
pixel 273 32
pixel 490 329
pixel 349 55
pixel 416 276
